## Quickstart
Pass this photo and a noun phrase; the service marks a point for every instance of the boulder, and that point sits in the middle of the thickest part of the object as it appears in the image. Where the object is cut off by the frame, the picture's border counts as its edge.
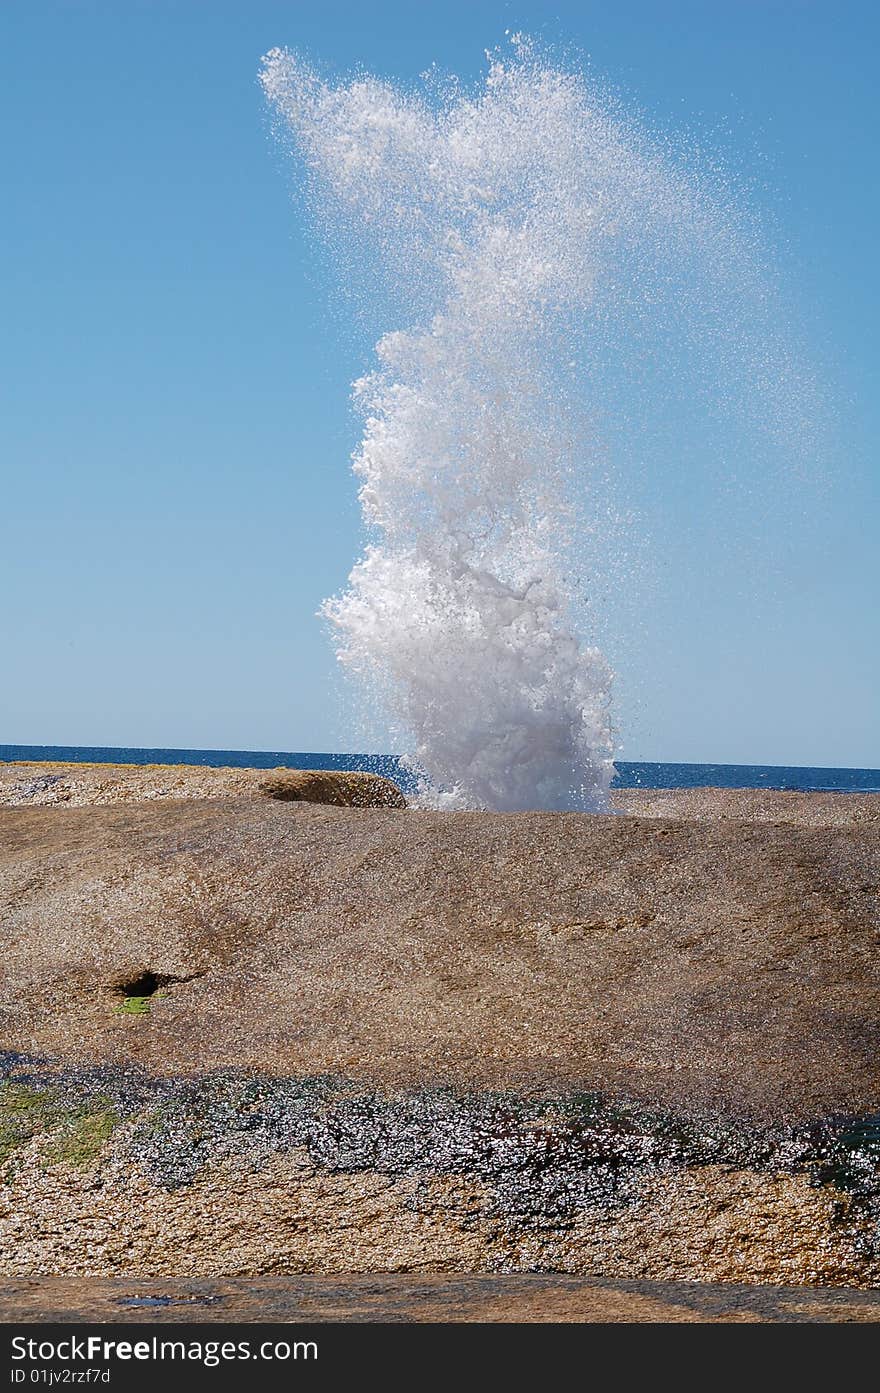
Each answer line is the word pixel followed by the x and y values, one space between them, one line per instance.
pixel 342 788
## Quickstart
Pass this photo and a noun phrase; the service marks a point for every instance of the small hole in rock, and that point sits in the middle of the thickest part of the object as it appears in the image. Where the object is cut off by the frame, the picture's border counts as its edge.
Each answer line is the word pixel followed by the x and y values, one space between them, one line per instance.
pixel 145 985
pixel 138 992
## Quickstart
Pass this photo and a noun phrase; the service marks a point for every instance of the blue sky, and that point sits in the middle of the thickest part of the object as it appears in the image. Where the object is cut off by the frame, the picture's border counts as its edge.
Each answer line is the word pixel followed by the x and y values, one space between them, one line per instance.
pixel 175 377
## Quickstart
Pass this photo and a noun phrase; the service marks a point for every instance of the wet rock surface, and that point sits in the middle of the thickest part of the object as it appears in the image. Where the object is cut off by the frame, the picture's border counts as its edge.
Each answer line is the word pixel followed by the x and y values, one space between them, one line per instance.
pixel 108 1172
pixel 395 1298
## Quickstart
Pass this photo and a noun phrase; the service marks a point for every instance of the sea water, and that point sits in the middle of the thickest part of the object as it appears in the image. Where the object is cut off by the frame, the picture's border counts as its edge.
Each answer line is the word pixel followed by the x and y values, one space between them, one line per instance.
pixel 628 774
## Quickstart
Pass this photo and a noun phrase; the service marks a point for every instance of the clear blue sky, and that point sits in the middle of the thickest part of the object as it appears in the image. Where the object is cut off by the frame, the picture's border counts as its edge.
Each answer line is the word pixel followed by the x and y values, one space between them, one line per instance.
pixel 175 426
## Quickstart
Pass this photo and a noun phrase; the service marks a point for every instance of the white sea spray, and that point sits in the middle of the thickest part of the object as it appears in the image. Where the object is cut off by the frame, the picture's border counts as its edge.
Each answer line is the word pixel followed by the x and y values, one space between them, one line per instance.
pixel 503 219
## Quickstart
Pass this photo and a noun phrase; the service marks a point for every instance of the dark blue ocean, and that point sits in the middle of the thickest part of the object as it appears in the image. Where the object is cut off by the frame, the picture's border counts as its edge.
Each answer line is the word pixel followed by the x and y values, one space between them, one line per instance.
pixel 629 775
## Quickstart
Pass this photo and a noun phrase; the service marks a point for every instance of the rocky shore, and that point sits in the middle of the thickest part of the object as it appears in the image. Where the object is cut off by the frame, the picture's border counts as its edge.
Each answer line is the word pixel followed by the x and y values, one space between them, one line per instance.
pixel 45 784
pixel 250 1034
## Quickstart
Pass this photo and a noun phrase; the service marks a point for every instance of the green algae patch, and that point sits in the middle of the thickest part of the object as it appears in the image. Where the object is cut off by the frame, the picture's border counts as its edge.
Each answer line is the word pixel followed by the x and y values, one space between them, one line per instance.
pixel 140 992
pixel 22 1116
pixel 79 1140
pixel 134 1006
pixel 75 1132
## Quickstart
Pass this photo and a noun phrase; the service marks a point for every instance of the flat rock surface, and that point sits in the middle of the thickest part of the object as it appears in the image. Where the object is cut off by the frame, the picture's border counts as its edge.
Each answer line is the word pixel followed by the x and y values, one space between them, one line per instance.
pixel 697 962
pixel 392 1298
pixel 786 807
pixel 82 785
pixel 47 785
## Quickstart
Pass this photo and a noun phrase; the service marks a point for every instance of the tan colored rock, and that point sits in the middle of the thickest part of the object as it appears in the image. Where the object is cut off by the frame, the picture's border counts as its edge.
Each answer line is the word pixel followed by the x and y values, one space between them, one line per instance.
pixel 218 957
pixel 710 965
pixel 49 784
pixel 287 1215
pixel 785 807
pixel 84 785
